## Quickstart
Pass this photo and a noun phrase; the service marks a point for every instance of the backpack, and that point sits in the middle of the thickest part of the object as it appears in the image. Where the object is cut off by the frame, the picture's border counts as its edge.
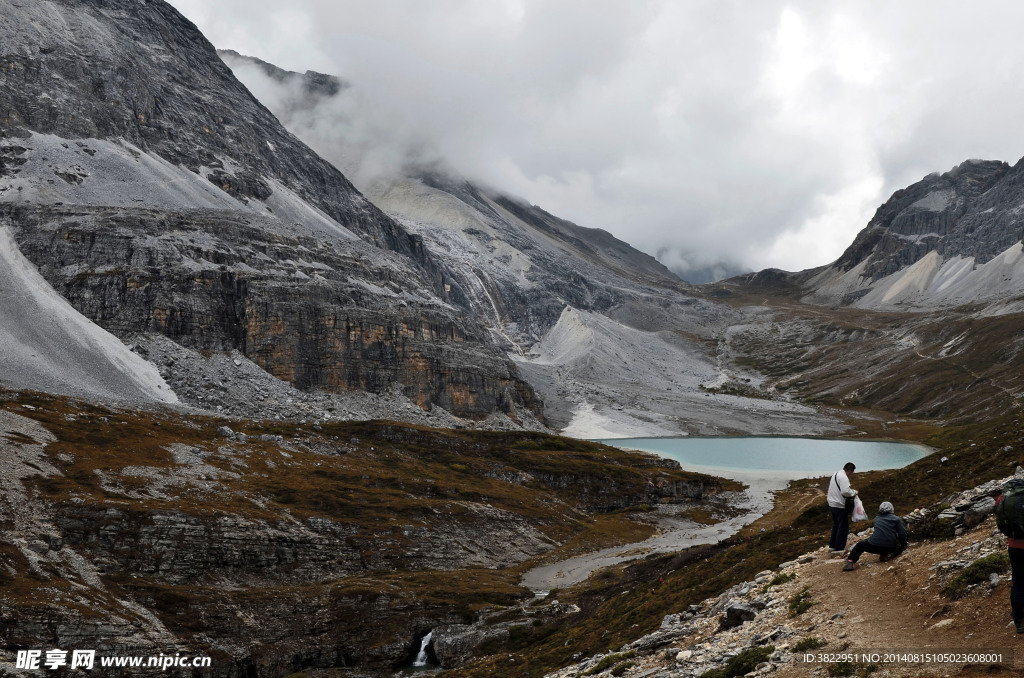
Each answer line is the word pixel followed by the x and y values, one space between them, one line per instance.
pixel 1010 510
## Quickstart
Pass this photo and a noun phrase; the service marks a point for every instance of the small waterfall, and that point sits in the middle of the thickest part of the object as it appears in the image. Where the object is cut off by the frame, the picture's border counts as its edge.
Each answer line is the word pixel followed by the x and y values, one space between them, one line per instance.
pixel 421 658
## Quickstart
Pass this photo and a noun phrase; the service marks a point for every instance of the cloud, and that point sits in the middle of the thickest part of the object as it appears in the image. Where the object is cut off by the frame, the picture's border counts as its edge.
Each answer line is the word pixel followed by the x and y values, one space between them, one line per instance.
pixel 738 135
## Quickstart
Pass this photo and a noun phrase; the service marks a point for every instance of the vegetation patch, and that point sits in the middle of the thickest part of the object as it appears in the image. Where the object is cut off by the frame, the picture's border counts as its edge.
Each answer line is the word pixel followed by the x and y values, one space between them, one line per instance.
pixel 622 668
pixel 780 578
pixel 809 643
pixel 801 602
pixel 742 664
pixel 841 669
pixel 609 661
pixel 932 527
pixel 975 573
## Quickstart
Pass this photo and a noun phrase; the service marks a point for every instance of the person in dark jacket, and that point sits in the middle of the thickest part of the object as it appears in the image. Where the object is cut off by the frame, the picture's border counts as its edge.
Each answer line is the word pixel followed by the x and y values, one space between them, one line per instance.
pixel 1015 550
pixel 889 538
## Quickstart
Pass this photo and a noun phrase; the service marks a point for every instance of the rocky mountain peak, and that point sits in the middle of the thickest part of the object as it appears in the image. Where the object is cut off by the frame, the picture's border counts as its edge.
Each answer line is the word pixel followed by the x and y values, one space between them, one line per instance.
pixel 313 84
pixel 949 239
pixel 921 217
pixel 158 196
pixel 141 72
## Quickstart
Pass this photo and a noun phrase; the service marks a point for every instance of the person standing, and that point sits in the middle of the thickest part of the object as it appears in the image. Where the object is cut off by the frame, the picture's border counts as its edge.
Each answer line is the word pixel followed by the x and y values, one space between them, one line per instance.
pixel 889 538
pixel 1010 521
pixel 1015 549
pixel 839 493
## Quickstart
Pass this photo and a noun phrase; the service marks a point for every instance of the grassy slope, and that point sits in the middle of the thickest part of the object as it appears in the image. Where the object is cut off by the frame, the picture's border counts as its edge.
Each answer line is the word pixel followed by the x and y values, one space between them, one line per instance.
pixel 375 477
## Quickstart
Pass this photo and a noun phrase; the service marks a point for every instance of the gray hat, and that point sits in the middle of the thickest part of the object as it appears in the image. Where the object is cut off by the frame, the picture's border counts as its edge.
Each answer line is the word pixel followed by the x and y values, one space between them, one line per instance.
pixel 885 507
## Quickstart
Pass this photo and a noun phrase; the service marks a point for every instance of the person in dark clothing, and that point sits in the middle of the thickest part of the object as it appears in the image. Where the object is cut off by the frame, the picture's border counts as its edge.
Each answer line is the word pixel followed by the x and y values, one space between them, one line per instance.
pixel 889 538
pixel 1015 549
pixel 839 491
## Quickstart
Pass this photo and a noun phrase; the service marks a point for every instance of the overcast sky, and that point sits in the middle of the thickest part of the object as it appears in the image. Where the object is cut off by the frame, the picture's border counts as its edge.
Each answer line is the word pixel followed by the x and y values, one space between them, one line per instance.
pixel 757 133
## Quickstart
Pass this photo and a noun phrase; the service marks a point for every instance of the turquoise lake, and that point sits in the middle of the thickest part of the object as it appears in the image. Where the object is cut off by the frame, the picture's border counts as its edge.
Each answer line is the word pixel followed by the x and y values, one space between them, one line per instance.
pixel 795 457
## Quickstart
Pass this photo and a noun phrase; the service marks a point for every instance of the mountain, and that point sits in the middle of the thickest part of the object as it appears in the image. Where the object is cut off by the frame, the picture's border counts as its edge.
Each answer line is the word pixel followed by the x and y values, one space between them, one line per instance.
pixel 157 196
pixel 163 237
pixel 613 342
pixel 921 317
pixel 950 239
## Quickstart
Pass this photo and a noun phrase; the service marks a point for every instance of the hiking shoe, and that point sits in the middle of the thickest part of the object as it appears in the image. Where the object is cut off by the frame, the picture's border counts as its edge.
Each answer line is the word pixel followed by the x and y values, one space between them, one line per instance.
pixel 1019 625
pixel 850 565
pixel 884 557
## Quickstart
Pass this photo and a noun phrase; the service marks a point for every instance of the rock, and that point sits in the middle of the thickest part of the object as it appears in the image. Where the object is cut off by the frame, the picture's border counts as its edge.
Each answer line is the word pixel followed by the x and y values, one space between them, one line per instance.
pixel 993 579
pixel 978 510
pixel 670 620
pixel 225 432
pixel 805 560
pixel 684 655
pixel 39 546
pixel 943 460
pixel 736 614
pixel 454 643
pixel 942 624
pixel 788 564
pixel 655 640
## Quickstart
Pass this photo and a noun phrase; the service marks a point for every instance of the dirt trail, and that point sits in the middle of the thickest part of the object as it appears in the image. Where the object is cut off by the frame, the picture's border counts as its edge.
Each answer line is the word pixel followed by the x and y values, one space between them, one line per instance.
pixel 898 606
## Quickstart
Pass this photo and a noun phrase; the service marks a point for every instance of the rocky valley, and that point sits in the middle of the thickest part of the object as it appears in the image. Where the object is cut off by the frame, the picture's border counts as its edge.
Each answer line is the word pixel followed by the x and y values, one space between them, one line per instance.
pixel 252 411
pixel 281 547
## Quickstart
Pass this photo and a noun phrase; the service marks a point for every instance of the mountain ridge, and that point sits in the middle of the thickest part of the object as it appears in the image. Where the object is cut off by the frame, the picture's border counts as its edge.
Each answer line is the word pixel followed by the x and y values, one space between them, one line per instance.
pixel 949 239
pixel 533 279
pixel 154 192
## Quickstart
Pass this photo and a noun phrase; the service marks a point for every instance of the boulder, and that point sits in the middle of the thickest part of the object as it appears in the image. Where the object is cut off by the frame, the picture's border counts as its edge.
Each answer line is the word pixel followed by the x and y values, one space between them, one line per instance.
pixel 978 510
pixel 737 613
pixel 454 643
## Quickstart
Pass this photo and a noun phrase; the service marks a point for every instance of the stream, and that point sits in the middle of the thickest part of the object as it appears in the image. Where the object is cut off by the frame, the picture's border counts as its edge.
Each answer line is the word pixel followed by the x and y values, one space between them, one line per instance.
pixel 676 533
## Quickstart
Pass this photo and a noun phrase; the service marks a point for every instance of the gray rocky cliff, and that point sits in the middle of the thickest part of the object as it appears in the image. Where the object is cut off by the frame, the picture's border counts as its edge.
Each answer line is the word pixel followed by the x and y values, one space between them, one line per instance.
pixel 158 196
pixel 948 240
pixel 948 213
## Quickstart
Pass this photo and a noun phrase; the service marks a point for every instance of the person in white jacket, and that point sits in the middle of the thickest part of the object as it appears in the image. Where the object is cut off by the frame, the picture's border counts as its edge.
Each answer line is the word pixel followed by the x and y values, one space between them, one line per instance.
pixel 839 491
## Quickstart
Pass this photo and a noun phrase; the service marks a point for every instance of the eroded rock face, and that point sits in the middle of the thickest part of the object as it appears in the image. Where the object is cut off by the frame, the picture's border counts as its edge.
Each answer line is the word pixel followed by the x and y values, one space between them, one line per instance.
pixel 942 212
pixel 143 73
pixel 213 281
pixel 156 194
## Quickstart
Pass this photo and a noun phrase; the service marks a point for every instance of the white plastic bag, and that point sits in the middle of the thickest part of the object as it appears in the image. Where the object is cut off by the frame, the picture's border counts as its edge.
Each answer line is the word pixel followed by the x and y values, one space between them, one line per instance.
pixel 859 513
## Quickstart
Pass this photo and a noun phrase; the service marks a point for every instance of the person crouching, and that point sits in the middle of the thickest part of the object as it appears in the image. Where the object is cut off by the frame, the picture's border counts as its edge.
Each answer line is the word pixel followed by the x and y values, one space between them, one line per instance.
pixel 888 540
